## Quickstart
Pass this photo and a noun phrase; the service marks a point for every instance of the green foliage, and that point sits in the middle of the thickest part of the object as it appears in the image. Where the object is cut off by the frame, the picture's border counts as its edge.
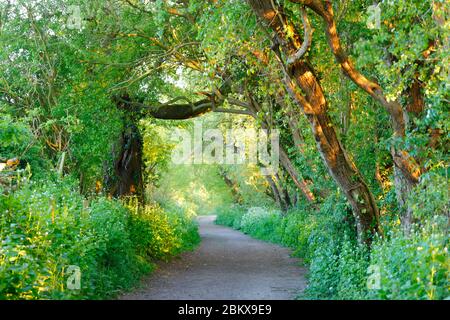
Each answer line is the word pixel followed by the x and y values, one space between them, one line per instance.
pixel 412 266
pixel 230 216
pixel 430 198
pixel 262 224
pixel 338 266
pixel 410 46
pixel 91 145
pixel 17 141
pixel 297 227
pixel 14 137
pixel 197 189
pixel 156 151
pixel 160 233
pixel 415 265
pixel 58 95
pixel 47 227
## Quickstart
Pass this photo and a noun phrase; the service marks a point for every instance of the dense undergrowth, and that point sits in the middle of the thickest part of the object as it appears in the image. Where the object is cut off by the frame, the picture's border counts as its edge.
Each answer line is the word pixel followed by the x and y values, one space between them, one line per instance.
pixel 86 114
pixel 399 265
pixel 48 227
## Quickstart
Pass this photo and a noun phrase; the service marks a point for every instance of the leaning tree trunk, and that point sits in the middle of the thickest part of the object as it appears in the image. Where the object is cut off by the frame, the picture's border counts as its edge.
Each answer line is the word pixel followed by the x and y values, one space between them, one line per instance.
pixel 301 77
pixel 407 170
pixel 233 186
pixel 276 193
pixel 286 163
pixel 284 193
pixel 292 171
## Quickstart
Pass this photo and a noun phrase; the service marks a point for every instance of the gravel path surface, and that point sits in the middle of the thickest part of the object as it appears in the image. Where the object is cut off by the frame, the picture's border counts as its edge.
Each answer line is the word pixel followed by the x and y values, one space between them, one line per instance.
pixel 227 265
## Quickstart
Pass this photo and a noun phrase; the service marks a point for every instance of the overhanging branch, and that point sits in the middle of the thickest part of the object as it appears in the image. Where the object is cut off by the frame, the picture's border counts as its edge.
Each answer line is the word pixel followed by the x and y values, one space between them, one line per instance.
pixel 181 111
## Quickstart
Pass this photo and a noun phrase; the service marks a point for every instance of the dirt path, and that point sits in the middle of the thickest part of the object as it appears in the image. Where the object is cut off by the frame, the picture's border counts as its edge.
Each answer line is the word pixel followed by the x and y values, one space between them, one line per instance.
pixel 228 265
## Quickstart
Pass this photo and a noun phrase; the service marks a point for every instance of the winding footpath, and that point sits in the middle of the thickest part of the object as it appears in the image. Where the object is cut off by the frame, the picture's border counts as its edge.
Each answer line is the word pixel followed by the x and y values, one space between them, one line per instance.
pixel 227 265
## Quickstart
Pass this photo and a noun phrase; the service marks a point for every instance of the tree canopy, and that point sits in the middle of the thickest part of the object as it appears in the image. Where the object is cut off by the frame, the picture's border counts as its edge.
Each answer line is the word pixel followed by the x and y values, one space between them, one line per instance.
pixel 357 89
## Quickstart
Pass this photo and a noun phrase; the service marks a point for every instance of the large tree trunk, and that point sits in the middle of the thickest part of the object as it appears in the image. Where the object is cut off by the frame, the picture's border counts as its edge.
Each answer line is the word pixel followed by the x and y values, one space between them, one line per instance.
pixel 128 165
pixel 301 76
pixel 406 169
pixel 126 178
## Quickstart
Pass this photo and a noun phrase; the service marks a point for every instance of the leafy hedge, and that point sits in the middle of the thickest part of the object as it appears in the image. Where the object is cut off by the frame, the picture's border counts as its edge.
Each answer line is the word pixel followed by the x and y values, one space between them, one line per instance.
pixel 407 266
pixel 47 227
pixel 414 266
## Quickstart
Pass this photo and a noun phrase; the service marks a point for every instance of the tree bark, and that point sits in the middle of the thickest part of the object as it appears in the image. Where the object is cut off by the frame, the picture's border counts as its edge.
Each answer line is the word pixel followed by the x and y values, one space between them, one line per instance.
pixel 128 165
pixel 301 76
pixel 276 193
pixel 286 162
pixel 284 193
pixel 232 185
pixel 404 163
pixel 179 111
pixel 293 173
pixel 126 178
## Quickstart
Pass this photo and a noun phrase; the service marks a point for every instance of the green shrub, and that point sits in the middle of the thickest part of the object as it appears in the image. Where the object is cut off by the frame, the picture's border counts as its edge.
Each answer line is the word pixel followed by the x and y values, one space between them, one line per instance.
pixel 17 141
pixel 352 270
pixel 338 270
pixel 160 234
pixel 323 271
pixel 185 228
pixel 230 216
pixel 47 227
pixel 262 224
pixel 414 266
pixel 297 228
